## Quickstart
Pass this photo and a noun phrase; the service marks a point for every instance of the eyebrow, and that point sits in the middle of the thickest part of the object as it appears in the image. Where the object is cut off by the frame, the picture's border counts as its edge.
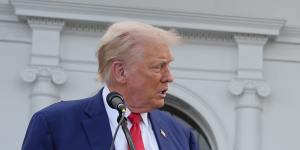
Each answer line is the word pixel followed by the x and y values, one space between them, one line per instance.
pixel 172 58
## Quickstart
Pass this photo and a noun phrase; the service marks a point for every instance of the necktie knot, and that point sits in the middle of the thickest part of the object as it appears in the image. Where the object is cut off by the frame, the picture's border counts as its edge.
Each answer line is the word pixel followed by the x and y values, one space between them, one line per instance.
pixel 135 118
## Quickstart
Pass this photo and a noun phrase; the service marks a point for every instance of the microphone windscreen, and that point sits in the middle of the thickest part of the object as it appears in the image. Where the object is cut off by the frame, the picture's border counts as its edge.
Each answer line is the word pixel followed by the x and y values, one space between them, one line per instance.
pixel 114 99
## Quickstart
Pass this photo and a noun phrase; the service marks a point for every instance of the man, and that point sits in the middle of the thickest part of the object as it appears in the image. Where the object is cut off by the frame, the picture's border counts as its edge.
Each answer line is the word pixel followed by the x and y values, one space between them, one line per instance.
pixel 134 61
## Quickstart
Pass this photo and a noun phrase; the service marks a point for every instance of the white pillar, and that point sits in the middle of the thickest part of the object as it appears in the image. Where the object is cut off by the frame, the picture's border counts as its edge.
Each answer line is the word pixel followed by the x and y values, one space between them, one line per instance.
pixel 248 112
pixel 44 90
pixel 44 70
pixel 250 88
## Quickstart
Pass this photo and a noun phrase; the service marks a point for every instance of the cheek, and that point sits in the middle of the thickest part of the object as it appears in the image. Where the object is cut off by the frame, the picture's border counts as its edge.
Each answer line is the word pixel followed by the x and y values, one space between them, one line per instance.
pixel 143 82
pixel 145 79
pixel 145 88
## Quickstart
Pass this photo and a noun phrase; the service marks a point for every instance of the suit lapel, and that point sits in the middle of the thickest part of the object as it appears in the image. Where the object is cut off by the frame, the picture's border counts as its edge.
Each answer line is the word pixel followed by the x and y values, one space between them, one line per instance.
pixel 97 126
pixel 160 131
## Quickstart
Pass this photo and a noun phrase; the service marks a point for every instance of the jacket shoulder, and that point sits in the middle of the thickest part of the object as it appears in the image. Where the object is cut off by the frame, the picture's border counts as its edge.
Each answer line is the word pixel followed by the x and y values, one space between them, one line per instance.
pixel 64 106
pixel 67 109
pixel 167 118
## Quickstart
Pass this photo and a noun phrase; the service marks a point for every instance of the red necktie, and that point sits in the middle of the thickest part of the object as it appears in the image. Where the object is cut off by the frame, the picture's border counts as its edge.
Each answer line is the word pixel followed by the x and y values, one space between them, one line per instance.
pixel 135 131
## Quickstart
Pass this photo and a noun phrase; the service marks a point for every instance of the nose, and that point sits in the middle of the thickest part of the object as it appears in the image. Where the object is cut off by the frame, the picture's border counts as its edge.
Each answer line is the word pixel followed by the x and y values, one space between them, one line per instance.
pixel 167 75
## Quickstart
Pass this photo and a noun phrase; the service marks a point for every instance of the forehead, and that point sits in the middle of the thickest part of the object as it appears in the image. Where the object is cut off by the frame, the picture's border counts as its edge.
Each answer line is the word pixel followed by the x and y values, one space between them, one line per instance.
pixel 156 50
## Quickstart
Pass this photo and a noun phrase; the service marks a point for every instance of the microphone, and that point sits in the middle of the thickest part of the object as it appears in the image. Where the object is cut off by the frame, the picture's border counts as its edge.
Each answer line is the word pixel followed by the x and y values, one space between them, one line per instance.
pixel 116 101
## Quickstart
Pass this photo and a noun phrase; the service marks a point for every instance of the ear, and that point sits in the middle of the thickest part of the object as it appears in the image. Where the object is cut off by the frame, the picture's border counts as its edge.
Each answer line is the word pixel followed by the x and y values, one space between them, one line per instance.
pixel 118 71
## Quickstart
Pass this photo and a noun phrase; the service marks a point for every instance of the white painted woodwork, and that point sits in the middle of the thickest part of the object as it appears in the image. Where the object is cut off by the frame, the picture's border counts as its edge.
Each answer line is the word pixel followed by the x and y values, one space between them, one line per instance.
pixel 238 65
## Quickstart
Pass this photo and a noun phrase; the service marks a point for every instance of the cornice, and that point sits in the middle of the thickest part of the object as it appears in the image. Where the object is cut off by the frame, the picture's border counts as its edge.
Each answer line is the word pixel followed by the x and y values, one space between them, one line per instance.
pixel 244 38
pixel 7 13
pixel 186 34
pixel 96 28
pixel 101 12
pixel 289 34
pixel 42 22
pixel 212 36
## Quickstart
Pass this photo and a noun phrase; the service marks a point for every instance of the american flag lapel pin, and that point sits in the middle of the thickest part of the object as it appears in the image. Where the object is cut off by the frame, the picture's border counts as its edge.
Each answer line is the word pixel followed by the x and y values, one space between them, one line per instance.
pixel 162 132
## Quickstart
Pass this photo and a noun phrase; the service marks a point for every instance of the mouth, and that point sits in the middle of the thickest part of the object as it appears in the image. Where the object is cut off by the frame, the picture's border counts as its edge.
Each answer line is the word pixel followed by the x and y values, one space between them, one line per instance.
pixel 163 93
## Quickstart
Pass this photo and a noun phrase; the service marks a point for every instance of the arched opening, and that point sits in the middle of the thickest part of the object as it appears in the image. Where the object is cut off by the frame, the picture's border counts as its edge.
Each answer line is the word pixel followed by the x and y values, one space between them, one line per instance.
pixel 188 114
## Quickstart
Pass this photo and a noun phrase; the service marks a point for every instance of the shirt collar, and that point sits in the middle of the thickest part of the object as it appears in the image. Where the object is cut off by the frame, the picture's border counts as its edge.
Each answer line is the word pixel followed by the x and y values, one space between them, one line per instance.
pixel 113 114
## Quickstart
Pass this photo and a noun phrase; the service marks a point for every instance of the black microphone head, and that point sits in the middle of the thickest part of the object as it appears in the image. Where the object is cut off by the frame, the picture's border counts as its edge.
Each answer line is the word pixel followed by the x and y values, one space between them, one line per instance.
pixel 115 101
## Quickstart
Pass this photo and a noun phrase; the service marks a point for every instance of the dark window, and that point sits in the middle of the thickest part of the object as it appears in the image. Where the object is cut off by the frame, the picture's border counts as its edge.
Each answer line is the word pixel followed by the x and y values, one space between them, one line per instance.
pixel 183 112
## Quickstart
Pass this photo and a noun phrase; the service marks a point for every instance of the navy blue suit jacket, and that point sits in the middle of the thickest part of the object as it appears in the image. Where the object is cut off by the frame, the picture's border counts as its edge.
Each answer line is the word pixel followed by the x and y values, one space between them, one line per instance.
pixel 84 125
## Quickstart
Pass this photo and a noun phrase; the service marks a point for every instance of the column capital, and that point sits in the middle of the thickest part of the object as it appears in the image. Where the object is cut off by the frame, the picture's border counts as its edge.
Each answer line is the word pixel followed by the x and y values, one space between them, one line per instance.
pixel 239 86
pixel 57 74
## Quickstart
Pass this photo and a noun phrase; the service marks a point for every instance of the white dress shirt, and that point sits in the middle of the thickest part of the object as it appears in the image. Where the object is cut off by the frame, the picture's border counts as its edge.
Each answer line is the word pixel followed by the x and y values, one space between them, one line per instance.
pixel 148 136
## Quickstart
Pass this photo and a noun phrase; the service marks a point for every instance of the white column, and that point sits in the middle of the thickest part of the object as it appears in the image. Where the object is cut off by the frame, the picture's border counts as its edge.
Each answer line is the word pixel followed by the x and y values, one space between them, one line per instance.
pixel 45 81
pixel 250 88
pixel 44 71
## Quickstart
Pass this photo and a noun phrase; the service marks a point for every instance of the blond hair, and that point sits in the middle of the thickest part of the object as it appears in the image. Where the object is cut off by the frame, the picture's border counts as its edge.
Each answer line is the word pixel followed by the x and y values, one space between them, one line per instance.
pixel 121 37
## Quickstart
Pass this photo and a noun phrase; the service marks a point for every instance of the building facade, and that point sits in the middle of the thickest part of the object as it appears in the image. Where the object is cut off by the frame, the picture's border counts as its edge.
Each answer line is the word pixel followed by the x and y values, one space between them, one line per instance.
pixel 237 72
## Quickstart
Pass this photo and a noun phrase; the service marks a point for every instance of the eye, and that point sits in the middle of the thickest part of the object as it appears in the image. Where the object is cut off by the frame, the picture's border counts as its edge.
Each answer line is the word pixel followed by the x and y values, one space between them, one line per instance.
pixel 158 66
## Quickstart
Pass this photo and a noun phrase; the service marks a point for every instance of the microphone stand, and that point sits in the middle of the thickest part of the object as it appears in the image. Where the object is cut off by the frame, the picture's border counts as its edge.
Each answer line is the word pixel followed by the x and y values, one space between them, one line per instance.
pixel 126 131
pixel 123 122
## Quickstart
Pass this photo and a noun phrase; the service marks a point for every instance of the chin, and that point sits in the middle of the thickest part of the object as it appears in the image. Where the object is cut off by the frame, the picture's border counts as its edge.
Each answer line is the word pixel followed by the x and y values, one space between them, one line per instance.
pixel 159 105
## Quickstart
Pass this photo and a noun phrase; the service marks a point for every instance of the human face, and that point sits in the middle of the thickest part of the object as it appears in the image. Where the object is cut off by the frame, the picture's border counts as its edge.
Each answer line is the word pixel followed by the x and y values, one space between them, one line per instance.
pixel 148 77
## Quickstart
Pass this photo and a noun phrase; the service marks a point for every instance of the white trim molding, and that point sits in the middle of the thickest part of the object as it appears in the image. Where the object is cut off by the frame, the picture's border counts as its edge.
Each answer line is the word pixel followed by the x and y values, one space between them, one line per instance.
pixel 101 12
pixel 7 13
pixel 45 23
pixel 290 35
